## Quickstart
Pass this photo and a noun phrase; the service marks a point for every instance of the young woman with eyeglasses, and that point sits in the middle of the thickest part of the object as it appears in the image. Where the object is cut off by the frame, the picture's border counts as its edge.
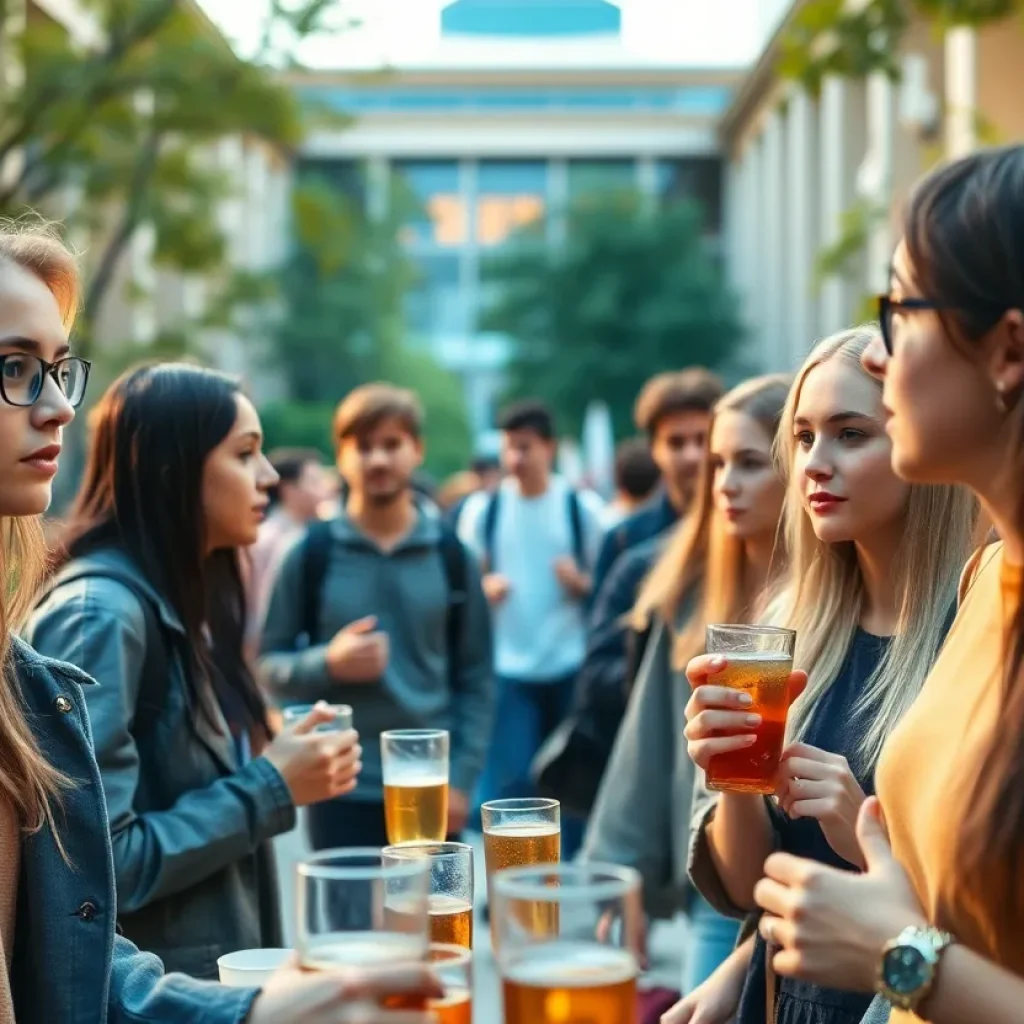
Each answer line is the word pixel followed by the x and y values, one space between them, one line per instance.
pixel 60 959
pixel 936 923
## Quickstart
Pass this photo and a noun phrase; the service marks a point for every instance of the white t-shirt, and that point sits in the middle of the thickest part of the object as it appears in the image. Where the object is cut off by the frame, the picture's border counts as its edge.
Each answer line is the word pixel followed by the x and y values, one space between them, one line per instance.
pixel 539 630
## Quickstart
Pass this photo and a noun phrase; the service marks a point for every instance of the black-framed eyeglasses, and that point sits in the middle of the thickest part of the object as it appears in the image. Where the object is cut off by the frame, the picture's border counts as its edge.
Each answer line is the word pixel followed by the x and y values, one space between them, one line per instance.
pixel 887 306
pixel 23 375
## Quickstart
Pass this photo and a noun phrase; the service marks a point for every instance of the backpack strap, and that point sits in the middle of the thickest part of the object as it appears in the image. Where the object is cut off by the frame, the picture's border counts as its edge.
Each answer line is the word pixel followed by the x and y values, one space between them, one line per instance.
pixel 316 550
pixel 491 528
pixel 576 529
pixel 455 559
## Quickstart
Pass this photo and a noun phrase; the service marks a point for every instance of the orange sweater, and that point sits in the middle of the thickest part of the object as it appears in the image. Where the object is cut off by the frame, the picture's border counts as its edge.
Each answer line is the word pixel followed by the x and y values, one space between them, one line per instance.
pixel 926 774
pixel 10 864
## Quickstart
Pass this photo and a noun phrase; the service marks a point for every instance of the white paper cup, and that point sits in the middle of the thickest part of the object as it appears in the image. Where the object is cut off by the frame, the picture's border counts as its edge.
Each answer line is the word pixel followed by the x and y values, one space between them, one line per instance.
pixel 342 717
pixel 251 968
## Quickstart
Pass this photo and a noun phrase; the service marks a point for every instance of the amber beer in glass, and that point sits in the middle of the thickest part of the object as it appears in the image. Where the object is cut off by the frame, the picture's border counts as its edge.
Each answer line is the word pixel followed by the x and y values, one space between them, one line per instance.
pixel 589 971
pixel 415 768
pixel 451 888
pixel 759 660
pixel 357 909
pixel 520 833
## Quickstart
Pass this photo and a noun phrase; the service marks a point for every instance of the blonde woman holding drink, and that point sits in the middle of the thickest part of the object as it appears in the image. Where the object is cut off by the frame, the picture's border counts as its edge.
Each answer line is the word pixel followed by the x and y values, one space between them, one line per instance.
pixel 869 595
pixel 714 567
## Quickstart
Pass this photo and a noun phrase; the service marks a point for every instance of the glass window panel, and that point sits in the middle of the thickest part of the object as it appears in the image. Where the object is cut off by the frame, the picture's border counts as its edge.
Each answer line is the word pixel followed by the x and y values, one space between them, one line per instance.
pixel 587 177
pixel 436 303
pixel 695 178
pixel 510 195
pixel 441 217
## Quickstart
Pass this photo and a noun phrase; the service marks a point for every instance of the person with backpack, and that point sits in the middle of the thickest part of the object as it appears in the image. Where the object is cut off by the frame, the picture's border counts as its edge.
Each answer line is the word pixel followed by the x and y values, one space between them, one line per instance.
pixel 382 608
pixel 148 601
pixel 536 539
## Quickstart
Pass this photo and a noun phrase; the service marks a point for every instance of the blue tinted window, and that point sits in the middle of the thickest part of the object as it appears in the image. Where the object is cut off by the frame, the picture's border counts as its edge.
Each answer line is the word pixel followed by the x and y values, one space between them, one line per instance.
pixel 510 195
pixel 440 213
pixel 587 177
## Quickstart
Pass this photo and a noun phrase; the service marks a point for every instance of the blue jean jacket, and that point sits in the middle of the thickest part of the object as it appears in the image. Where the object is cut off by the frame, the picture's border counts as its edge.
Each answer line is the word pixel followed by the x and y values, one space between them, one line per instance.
pixel 69 966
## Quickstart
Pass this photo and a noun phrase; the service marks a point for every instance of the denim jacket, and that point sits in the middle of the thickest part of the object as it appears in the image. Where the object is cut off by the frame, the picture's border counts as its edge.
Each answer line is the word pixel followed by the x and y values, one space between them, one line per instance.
pixel 189 823
pixel 69 967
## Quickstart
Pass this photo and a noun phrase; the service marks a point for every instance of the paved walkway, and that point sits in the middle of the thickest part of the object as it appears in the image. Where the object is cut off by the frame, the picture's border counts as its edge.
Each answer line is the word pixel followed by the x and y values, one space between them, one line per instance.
pixel 666 941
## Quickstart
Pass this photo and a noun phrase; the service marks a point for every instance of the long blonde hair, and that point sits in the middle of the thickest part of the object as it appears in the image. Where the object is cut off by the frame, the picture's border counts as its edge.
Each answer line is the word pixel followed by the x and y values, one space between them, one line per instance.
pixel 27 779
pixel 823 595
pixel 700 551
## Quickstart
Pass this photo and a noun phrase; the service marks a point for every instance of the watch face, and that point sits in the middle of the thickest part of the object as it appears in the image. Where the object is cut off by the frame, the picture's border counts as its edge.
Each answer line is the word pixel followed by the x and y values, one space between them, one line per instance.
pixel 906 970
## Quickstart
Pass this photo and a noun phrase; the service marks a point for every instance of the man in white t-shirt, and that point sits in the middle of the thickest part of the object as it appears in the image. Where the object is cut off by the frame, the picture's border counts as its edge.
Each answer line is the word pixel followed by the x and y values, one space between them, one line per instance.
pixel 537 540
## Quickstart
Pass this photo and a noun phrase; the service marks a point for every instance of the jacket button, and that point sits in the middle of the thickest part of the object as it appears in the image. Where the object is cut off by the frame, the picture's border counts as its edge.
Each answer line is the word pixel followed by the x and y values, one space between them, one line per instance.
pixel 63 704
pixel 87 911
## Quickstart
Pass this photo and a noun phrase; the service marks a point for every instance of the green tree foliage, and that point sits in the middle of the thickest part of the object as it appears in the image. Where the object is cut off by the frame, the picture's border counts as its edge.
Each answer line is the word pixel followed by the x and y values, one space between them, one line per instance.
pixel 343 297
pixel 633 291
pixel 124 128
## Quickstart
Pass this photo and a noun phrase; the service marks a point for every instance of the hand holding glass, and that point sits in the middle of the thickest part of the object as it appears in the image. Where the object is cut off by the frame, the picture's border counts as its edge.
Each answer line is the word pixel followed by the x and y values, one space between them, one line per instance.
pixel 741 706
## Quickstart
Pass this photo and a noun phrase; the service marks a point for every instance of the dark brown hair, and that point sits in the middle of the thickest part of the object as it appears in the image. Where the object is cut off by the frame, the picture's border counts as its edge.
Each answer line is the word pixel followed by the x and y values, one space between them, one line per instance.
pixel 668 394
pixel 964 237
pixel 365 408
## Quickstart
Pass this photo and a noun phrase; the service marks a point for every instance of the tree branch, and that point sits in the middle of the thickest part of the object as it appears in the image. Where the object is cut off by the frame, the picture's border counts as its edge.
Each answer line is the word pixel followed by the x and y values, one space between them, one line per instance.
pixel 131 218
pixel 100 87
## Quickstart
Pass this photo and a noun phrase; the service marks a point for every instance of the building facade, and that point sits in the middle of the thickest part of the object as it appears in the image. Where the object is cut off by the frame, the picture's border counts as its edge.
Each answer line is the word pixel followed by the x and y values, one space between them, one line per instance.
pixel 815 182
pixel 503 116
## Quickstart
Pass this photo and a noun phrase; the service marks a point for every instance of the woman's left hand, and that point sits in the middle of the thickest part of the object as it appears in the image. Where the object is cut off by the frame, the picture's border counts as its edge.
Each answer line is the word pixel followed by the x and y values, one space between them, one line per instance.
pixel 830 926
pixel 813 783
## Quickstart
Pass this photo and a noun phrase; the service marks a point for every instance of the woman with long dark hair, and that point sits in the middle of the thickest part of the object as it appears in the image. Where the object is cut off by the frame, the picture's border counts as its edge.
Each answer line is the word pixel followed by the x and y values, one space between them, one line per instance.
pixel 936 922
pixel 60 959
pixel 149 601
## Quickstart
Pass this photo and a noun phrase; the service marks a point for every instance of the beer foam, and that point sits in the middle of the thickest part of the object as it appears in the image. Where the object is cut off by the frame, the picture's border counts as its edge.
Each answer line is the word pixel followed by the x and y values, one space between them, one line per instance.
pixel 524 830
pixel 571 965
pixel 360 949
pixel 413 779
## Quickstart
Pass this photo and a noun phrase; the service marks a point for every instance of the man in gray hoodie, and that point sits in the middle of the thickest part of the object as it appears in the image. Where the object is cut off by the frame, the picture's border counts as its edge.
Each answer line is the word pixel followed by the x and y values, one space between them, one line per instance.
pixel 383 609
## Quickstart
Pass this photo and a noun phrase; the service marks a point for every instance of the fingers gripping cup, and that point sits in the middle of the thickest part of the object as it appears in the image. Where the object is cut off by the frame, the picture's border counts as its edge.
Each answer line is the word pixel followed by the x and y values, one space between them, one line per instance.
pixel 759 661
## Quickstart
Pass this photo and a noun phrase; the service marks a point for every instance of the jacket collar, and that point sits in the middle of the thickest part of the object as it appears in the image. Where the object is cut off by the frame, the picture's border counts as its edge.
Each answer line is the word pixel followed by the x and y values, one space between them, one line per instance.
pixel 27 659
pixel 118 564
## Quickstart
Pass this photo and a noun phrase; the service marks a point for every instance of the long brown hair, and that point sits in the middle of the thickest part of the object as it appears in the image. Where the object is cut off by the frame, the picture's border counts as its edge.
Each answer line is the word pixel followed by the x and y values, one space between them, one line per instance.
pixel 31 784
pixel 964 236
pixel 700 551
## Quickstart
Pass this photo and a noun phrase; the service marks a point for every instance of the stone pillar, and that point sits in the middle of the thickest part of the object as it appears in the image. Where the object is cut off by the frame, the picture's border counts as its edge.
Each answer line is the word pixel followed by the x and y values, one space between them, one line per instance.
pixel 876 179
pixel 773 244
pixel 749 249
pixel 961 58
pixel 802 245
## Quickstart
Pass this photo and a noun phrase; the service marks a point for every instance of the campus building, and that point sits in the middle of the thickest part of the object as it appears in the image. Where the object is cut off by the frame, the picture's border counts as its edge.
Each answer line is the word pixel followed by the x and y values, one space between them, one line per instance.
pixel 498 112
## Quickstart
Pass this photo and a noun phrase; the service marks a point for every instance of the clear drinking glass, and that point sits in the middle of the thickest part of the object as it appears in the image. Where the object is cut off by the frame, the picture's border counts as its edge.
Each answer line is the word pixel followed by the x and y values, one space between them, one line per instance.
pixel 519 833
pixel 295 713
pixel 759 660
pixel 454 967
pixel 357 908
pixel 587 969
pixel 451 888
pixel 415 764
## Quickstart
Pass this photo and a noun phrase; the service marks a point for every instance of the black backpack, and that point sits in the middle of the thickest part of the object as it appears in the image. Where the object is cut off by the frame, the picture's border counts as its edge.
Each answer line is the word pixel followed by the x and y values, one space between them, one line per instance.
pixel 575 527
pixel 316 548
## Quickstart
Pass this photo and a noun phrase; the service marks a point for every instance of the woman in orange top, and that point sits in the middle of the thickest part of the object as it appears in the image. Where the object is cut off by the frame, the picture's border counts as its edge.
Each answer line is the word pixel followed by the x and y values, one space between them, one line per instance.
pixel 936 922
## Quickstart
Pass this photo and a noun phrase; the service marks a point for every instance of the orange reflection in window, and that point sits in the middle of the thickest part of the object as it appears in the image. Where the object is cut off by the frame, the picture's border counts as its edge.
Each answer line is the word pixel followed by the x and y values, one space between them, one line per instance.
pixel 499 216
pixel 448 216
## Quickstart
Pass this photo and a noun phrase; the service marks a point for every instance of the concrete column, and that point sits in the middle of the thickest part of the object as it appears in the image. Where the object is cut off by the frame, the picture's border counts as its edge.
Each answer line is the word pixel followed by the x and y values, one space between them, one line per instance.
pixel 876 179
pixel 773 242
pixel 802 246
pixel 961 58
pixel 748 249
pixel 378 187
pixel 12 77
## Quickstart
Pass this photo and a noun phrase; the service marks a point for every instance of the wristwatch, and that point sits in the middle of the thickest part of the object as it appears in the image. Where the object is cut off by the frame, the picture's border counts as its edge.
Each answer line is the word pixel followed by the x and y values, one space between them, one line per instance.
pixel 909 965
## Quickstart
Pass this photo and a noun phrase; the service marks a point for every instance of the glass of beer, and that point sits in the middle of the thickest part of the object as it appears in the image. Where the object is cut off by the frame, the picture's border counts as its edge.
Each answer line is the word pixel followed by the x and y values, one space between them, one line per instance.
pixel 357 908
pixel 342 721
pixel 759 660
pixel 519 833
pixel 415 764
pixel 588 971
pixel 451 889
pixel 453 965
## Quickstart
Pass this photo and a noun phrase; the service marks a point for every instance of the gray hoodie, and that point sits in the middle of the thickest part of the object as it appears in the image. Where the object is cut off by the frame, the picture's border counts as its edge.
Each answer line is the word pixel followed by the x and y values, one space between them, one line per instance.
pixel 407 591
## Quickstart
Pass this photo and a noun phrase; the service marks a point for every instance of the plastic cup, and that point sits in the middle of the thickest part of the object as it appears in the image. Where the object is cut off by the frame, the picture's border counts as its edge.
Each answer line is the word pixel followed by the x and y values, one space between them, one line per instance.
pixel 251 968
pixel 297 712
